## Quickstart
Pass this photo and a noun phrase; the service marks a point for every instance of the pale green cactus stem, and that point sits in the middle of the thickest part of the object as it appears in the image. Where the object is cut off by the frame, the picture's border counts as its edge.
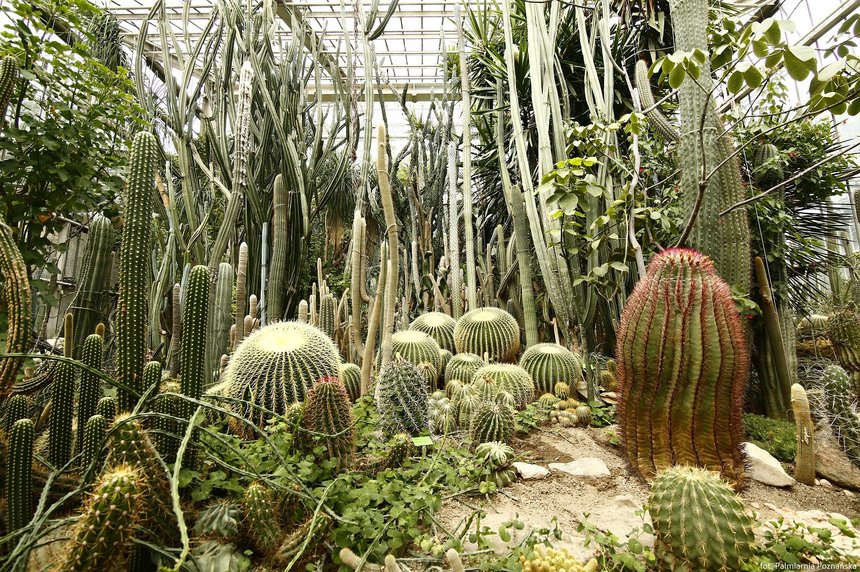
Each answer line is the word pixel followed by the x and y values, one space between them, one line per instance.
pixel 455 279
pixel 393 241
pixel 659 121
pixel 175 332
pixel 62 403
pixel 88 305
pixel 90 390
pixel 278 276
pixel 804 463
pixel 19 480
pixel 16 293
pixel 218 331
pixel 241 294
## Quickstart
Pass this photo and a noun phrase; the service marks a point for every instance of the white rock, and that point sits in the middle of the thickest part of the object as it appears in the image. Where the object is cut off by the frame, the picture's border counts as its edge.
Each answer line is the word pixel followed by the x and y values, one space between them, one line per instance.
pixel 764 468
pixel 528 471
pixel 584 467
pixel 825 483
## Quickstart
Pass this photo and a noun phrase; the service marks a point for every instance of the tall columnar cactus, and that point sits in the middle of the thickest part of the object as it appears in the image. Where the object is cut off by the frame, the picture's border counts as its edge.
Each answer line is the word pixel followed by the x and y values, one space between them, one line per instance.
pixel 93 440
pixel 19 479
pixel 488 330
pixel 16 293
pixel 218 331
pixel 278 276
pixel 88 307
pixel 134 254
pixel 439 326
pixel 463 366
pixel 241 295
pixel 169 430
pixel 549 364
pixel 17 407
pixel 657 120
pixel 194 316
pixel 402 399
pixel 804 463
pixel 275 367
pixel 90 388
pixel 8 79
pixel 455 277
pixel 329 414
pixel 726 239
pixel 699 523
pixel 492 422
pixel 102 538
pixel 682 364
pixel 841 407
pixel 385 195
pixel 261 518
pixel 62 404
pixel 328 307
pixel 175 332
pixel 350 376
pixel 510 378
pixel 417 347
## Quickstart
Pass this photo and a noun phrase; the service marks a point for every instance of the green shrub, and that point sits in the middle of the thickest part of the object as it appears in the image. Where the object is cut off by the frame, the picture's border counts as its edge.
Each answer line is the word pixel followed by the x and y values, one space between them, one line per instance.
pixel 773 435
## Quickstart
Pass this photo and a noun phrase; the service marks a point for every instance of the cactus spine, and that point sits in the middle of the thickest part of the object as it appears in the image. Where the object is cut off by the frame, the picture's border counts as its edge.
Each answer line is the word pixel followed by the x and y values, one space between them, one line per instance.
pixel 16 293
pixel 194 337
pixel 278 275
pixel 699 523
pixel 135 250
pixel 682 364
pixel 19 479
pixel 62 404
pixel 804 463
pixel 90 390
pixel 88 305
pixel 328 413
pixel 102 538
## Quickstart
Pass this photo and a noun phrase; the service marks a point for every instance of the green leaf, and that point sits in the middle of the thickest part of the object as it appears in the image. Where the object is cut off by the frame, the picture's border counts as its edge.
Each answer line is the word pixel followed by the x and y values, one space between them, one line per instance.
pixel 753 77
pixel 736 82
pixel 796 68
pixel 676 77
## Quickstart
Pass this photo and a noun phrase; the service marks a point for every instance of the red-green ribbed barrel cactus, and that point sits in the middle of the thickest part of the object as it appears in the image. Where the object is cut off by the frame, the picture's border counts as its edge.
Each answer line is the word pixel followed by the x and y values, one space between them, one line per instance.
pixel 682 365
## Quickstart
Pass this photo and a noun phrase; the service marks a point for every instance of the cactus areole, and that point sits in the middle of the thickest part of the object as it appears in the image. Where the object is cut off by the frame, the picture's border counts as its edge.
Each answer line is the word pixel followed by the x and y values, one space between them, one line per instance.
pixel 682 364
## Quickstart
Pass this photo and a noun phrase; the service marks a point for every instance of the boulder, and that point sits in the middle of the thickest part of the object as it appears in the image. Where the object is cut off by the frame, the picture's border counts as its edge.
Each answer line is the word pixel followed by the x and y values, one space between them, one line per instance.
pixel 764 468
pixel 528 471
pixel 832 464
pixel 584 467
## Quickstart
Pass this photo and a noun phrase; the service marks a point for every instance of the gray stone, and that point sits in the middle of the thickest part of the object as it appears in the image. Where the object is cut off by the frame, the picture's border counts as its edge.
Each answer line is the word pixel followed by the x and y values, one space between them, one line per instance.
pixel 584 467
pixel 832 464
pixel 528 471
pixel 764 468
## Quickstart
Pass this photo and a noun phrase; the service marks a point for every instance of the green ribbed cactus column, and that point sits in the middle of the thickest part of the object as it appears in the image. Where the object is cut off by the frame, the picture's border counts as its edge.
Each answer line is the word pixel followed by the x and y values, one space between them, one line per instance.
pixel 134 267
pixel 328 306
pixel 725 239
pixel 88 305
pixel 18 407
pixel 194 337
pixel 699 523
pixel 62 404
pixel 19 479
pixel 94 436
pixel 218 331
pixel 278 275
pixel 16 293
pixel 682 365
pixel 90 389
pixel 8 80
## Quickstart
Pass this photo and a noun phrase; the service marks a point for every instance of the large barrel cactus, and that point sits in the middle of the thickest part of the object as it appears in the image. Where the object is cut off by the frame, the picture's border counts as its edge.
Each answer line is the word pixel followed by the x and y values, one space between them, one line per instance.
pixel 682 365
pixel 510 378
pixel 462 367
pixel 492 422
pixel 417 347
pixel 275 366
pixel 490 331
pixel 437 325
pixel 403 401
pixel 699 523
pixel 549 364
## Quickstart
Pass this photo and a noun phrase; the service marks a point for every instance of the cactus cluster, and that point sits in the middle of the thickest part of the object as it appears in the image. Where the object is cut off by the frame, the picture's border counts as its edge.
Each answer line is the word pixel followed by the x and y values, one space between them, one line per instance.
pixel 275 367
pixel 547 559
pixel 682 364
pixel 490 331
pixel 328 414
pixel 462 367
pixel 443 415
pixel 549 364
pixel 699 523
pixel 841 407
pixel 508 378
pixel 403 400
pixel 492 422
pixel 439 326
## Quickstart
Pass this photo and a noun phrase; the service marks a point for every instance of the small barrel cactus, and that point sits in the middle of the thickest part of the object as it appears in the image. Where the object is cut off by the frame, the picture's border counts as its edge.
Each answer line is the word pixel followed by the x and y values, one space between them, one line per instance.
pixel 489 331
pixel 841 407
pixel 699 523
pixel 453 389
pixel 510 378
pixel 438 326
pixel 102 538
pixel 497 458
pixel 468 403
pixel 549 364
pixel 583 415
pixel 683 314
pixel 561 390
pixel 19 480
pixel 403 401
pixel 274 367
pixel 555 560
pixel 350 376
pixel 417 348
pixel 493 422
pixel 548 400
pixel 261 519
pixel 462 367
pixel 329 414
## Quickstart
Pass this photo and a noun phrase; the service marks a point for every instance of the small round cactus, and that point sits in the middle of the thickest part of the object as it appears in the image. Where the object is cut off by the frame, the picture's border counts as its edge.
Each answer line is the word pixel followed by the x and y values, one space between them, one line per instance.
pixel 443 417
pixel 328 413
pixel 549 364
pixel 510 378
pixel 466 405
pixel 488 330
pixel 548 400
pixel 699 523
pixel 583 415
pixel 275 367
pixel 493 422
pixel 403 401
pixel 561 390
pixel 438 326
pixel 350 376
pixel 462 367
